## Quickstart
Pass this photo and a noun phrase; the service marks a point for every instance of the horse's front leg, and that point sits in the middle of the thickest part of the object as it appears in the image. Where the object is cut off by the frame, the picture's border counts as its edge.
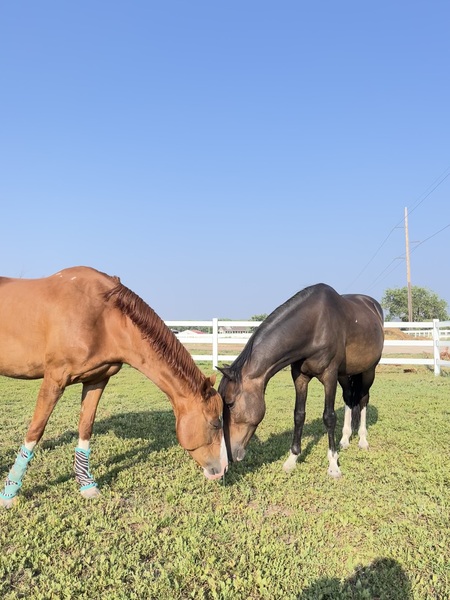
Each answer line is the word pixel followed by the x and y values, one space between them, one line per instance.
pixel 329 381
pixel 90 398
pixel 49 394
pixel 301 382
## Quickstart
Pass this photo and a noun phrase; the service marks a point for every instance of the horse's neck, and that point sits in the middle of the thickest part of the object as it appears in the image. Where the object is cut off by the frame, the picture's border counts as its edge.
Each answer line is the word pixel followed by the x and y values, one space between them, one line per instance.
pixel 164 377
pixel 139 354
pixel 267 356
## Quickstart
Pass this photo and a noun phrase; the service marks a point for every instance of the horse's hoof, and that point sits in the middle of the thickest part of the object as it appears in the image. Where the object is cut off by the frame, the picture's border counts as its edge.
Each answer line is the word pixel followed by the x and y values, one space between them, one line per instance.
pixel 289 464
pixel 8 502
pixel 344 444
pixel 92 492
pixel 334 473
pixel 363 445
pixel 288 467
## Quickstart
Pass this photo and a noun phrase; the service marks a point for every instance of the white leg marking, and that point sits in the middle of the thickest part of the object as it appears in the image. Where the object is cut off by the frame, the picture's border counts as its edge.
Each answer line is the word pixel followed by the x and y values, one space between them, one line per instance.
pixel 347 428
pixel 289 464
pixel 333 467
pixel 362 431
pixel 29 446
pixel 83 444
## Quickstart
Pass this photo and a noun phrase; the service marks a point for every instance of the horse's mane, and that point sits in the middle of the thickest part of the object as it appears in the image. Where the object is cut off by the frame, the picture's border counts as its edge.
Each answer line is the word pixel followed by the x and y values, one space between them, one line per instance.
pixel 266 327
pixel 158 335
pixel 239 362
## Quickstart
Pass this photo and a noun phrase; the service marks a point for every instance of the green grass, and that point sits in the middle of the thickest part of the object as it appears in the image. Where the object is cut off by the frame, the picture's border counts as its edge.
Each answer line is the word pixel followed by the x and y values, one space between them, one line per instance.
pixel 160 530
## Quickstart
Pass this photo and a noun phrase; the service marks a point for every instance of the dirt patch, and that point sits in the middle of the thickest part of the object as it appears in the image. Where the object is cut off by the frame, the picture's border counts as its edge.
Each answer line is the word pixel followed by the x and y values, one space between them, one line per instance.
pixel 396 334
pixel 445 354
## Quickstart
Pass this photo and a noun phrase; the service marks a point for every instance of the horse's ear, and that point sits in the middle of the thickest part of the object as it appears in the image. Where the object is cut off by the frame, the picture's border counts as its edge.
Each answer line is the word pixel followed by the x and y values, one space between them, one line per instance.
pixel 208 386
pixel 227 372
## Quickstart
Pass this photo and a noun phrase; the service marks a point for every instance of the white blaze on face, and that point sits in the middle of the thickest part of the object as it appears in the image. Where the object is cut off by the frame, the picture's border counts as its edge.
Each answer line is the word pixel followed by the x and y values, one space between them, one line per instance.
pixel 223 454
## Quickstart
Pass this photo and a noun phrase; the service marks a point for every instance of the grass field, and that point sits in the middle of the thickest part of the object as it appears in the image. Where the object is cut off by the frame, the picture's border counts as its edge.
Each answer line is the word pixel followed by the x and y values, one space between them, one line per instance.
pixel 160 530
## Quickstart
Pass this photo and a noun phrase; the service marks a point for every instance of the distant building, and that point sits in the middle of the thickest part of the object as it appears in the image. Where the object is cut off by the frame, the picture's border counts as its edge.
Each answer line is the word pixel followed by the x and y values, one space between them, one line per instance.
pixel 191 332
pixel 234 329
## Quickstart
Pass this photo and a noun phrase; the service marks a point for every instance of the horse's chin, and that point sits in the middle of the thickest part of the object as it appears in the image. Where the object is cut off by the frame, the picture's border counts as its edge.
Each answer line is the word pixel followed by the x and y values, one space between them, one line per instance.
pixel 239 454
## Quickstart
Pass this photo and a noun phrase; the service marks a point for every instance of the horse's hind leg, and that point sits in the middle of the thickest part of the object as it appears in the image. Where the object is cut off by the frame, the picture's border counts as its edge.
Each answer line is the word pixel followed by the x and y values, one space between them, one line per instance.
pixel 49 394
pixel 90 398
pixel 301 391
pixel 367 380
pixel 329 381
pixel 347 427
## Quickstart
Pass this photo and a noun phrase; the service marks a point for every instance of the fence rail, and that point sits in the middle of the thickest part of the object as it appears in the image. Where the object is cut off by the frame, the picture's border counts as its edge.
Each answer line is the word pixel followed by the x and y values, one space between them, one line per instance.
pixel 220 336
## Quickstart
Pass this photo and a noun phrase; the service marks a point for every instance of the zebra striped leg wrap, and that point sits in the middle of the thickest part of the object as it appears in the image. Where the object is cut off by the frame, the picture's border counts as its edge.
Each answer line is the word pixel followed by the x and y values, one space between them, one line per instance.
pixel 14 480
pixel 81 466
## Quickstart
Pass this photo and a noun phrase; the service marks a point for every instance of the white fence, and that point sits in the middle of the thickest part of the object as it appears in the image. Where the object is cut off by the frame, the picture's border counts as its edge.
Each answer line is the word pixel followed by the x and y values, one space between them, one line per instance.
pixel 428 333
pixel 430 346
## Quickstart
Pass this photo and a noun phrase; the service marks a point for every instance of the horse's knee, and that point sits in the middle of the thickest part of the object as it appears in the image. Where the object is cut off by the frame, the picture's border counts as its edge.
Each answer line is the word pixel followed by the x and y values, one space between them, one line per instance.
pixel 329 419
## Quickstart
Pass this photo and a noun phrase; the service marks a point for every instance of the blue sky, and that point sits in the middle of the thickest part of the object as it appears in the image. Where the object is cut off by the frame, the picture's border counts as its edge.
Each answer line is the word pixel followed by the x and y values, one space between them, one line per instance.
pixel 221 156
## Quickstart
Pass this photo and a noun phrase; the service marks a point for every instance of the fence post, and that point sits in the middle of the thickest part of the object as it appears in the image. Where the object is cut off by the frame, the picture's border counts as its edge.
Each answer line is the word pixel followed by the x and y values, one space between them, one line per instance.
pixel 436 348
pixel 215 342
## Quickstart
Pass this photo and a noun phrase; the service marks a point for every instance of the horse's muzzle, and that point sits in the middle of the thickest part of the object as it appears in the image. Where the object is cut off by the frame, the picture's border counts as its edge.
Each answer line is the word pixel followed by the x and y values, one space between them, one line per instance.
pixel 217 471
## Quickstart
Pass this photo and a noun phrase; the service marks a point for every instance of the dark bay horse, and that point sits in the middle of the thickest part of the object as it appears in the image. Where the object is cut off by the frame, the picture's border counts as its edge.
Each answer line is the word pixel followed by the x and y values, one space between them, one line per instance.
pixel 80 326
pixel 321 334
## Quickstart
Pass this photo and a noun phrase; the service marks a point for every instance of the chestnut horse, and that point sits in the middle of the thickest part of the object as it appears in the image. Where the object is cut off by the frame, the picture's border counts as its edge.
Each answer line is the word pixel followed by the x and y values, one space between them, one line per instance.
pixel 80 326
pixel 321 334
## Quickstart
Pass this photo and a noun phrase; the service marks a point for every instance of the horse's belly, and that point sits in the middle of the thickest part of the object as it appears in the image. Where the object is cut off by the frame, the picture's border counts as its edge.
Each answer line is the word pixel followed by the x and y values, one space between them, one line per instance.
pixel 358 362
pixel 20 358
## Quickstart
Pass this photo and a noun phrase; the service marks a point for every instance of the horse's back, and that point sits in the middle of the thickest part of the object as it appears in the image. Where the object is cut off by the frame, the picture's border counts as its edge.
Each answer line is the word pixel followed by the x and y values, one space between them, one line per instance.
pixel 364 311
pixel 69 290
pixel 344 328
pixel 50 316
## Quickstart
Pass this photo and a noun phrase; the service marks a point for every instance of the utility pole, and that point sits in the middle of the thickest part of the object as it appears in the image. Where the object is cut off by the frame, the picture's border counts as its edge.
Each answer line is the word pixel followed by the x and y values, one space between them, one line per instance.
pixel 408 267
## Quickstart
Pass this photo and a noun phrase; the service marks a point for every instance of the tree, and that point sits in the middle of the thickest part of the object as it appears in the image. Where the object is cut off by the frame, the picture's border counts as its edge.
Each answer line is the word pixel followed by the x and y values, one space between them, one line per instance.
pixel 258 317
pixel 426 305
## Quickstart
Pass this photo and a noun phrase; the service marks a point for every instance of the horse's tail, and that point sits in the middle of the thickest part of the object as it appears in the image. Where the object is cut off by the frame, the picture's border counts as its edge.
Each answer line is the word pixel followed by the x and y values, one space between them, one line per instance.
pixel 354 398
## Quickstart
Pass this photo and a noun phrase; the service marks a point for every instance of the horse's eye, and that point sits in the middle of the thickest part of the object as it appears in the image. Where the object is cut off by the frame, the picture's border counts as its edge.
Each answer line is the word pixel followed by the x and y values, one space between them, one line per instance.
pixel 218 423
pixel 230 405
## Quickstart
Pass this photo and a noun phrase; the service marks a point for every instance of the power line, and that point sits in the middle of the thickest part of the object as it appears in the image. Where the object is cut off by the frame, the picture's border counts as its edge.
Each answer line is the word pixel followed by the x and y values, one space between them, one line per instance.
pixel 438 181
pixel 380 277
pixel 429 238
pixel 432 190
pixel 403 256
pixel 374 255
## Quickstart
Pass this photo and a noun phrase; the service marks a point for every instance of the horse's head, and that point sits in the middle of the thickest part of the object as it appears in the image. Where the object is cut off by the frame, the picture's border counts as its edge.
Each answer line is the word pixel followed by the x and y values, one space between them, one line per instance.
pixel 199 427
pixel 244 409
